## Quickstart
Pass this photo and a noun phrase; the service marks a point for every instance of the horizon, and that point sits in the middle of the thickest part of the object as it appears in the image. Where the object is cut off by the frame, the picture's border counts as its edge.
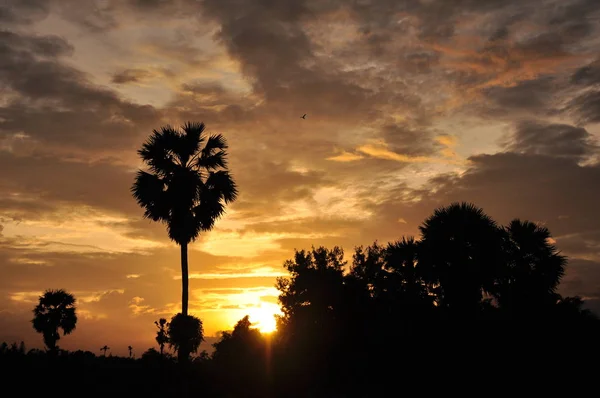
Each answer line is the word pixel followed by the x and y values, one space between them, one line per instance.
pixel 409 106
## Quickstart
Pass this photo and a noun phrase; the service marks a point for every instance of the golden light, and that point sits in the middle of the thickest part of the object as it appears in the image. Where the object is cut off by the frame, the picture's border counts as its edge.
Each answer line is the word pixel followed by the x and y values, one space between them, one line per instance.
pixel 263 317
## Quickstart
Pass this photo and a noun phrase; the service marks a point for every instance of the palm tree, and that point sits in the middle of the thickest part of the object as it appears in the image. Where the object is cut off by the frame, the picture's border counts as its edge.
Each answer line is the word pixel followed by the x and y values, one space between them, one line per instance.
pixel 186 186
pixel 130 348
pixel 56 310
pixel 461 255
pixel 185 335
pixel 405 280
pixel 105 348
pixel 162 335
pixel 535 268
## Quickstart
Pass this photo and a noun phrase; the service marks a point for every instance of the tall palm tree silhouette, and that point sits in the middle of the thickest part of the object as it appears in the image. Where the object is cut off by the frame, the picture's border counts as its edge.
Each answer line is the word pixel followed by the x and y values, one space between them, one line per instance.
pixel 56 310
pixel 105 348
pixel 130 348
pixel 186 187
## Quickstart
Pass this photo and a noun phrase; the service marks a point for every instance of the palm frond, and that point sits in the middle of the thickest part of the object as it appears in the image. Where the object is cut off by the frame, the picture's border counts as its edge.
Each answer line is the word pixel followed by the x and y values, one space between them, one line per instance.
pixel 190 141
pixel 213 155
pixel 207 212
pixel 212 162
pixel 214 143
pixel 149 192
pixel 159 150
pixel 223 185
pixel 184 180
pixel 56 309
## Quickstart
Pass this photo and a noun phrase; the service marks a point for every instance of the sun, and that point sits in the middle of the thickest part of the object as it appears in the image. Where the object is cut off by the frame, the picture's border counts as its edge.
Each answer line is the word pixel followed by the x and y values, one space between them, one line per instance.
pixel 263 317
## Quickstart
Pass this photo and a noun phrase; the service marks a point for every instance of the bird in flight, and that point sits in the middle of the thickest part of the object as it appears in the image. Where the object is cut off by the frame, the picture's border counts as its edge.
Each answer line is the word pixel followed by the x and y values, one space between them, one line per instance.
pixel 303 116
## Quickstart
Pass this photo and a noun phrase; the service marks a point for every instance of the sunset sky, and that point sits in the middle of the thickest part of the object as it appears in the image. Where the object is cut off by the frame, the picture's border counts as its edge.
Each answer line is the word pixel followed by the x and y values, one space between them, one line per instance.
pixel 410 105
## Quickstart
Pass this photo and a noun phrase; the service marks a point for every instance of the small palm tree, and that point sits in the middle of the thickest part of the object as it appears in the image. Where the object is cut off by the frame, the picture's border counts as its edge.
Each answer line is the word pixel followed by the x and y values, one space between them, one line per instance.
pixel 162 335
pixel 130 348
pixel 185 335
pixel 105 348
pixel 186 187
pixel 56 310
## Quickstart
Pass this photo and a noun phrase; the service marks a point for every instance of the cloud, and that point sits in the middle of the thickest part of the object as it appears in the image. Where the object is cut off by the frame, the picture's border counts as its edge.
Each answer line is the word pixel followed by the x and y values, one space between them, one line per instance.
pixel 588 74
pixel 398 95
pixel 345 157
pixel 381 152
pixel 23 12
pixel 56 106
pixel 264 272
pixel 586 107
pixel 131 76
pixel 558 140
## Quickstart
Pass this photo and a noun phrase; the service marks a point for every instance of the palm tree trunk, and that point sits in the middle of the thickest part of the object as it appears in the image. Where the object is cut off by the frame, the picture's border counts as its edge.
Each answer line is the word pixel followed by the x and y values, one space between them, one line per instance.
pixel 184 279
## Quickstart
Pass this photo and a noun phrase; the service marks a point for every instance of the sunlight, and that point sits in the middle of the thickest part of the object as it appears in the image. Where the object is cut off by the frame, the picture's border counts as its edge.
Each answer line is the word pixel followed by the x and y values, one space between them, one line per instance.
pixel 263 317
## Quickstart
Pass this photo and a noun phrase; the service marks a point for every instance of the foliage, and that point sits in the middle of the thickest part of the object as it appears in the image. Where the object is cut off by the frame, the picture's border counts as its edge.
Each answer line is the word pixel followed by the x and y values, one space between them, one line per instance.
pixel 188 184
pixel 162 334
pixel 104 349
pixel 461 253
pixel 533 269
pixel 395 314
pixel 56 310
pixel 185 334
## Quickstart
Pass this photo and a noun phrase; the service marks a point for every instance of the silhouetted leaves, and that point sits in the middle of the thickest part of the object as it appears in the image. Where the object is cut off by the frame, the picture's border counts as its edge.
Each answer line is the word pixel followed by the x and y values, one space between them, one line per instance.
pixel 186 188
pixel 56 310
pixel 185 335
pixel 468 298
pixel 162 334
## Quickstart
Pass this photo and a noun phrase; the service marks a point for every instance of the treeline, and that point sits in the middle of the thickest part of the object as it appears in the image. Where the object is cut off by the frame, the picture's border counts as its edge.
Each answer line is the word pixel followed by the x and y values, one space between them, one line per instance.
pixel 469 300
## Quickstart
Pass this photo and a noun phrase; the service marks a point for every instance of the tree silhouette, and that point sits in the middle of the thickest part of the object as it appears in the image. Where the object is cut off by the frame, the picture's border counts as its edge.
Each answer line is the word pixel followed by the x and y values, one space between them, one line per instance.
pixel 405 282
pixel 314 305
pixel 130 348
pixel 56 310
pixel 186 187
pixel 105 348
pixel 162 334
pixel 313 291
pixel 534 270
pixel 185 335
pixel 240 358
pixel 461 255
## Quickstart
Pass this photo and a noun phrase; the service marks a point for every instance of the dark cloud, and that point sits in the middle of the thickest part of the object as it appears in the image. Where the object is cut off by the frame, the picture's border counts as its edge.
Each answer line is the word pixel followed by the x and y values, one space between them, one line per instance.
pixel 97 17
pixel 47 183
pixel 539 179
pixel 57 105
pixel 23 11
pixel 558 140
pixel 274 50
pixel 272 185
pixel 406 139
pixel 419 62
pixel 586 107
pixel 536 95
pixel 583 279
pixel 361 70
pixel 130 76
pixel 588 74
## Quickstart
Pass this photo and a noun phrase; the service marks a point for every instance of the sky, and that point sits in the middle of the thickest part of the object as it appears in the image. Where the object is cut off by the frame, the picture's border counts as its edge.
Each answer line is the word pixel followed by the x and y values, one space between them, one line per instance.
pixel 410 105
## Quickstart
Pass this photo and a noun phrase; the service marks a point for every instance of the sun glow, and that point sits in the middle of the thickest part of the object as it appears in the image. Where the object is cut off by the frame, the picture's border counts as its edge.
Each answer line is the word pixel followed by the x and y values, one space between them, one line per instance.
pixel 263 317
